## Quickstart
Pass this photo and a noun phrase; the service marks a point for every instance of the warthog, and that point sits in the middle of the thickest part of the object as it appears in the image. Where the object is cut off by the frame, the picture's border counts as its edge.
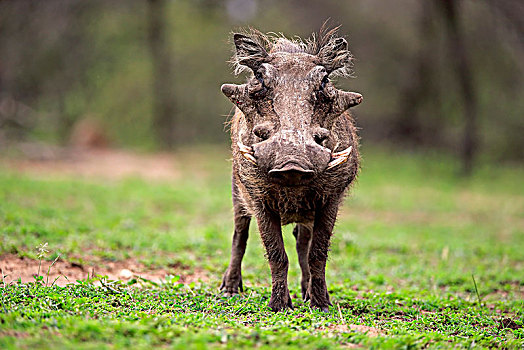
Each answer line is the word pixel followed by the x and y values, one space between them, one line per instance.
pixel 295 153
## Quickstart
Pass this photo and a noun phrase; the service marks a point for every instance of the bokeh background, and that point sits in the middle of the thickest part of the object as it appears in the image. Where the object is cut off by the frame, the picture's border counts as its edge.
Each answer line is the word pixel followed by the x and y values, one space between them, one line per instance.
pixel 439 75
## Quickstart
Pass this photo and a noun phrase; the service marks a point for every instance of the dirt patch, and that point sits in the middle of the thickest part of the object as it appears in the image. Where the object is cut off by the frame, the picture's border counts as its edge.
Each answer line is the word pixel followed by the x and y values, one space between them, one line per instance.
pixel 347 328
pixel 517 291
pixel 14 334
pixel 513 290
pixel 99 163
pixel 509 323
pixel 64 272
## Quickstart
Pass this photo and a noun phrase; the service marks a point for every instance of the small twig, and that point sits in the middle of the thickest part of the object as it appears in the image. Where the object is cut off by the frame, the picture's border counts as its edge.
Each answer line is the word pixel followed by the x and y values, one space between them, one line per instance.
pixel 57 277
pixel 39 266
pixel 42 251
pixel 188 287
pixel 109 287
pixel 3 276
pixel 4 286
pixel 476 290
pixel 340 315
pixel 245 303
pixel 49 269
pixel 146 280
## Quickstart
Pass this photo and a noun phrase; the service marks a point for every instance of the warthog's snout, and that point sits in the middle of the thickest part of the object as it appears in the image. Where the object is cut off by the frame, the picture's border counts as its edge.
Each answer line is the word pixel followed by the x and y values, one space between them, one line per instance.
pixel 291 174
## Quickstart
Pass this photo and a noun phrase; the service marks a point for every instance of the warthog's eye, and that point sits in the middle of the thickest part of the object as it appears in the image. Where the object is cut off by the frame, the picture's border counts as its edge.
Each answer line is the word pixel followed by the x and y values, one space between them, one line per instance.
pixel 259 88
pixel 322 93
pixel 324 82
pixel 321 135
pixel 262 131
pixel 259 78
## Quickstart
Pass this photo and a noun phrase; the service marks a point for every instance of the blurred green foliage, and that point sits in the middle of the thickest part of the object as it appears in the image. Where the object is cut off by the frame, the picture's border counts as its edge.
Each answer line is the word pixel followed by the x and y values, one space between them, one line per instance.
pixel 70 60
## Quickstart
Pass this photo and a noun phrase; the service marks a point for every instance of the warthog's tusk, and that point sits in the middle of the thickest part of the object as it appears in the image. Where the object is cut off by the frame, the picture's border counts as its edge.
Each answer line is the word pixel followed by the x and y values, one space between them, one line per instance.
pixel 250 158
pixel 247 152
pixel 244 149
pixel 338 158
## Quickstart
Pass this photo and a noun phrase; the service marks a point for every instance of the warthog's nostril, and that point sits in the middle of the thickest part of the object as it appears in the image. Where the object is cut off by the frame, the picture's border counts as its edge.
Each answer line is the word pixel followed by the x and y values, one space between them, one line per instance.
pixel 291 174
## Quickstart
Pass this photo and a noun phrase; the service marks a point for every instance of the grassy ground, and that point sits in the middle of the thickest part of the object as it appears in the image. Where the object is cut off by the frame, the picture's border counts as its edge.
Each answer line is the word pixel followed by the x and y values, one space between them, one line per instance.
pixel 420 258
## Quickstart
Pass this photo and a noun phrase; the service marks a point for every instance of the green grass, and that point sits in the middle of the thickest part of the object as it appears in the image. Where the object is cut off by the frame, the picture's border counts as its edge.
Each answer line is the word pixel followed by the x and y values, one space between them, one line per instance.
pixel 407 243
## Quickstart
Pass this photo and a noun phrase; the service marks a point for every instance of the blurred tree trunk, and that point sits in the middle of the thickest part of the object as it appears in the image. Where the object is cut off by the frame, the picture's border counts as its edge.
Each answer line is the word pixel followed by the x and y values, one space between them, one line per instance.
pixel 512 12
pixel 164 106
pixel 419 98
pixel 460 60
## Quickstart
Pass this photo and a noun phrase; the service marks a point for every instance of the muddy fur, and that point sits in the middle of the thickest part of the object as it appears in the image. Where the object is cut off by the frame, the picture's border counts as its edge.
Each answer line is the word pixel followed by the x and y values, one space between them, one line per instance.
pixel 288 126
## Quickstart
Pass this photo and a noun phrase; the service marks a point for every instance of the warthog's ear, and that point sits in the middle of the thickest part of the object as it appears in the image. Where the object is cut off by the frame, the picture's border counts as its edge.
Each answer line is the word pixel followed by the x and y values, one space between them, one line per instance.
pixel 250 50
pixel 334 55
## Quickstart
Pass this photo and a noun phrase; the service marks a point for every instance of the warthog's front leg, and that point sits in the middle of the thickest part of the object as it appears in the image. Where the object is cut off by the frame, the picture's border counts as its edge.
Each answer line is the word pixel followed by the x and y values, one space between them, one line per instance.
pixel 232 280
pixel 318 253
pixel 271 233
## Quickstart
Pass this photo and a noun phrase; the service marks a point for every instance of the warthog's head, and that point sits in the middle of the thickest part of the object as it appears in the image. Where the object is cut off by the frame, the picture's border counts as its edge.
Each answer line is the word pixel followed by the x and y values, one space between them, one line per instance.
pixel 290 104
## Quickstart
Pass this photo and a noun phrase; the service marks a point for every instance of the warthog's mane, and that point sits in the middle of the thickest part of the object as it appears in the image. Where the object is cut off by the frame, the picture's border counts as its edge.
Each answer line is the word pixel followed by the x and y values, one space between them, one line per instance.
pixel 326 45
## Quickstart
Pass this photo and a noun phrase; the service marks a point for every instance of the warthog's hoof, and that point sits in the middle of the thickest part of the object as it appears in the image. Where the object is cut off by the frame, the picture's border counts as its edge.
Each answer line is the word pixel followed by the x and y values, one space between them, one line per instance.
pixel 280 302
pixel 318 295
pixel 231 284
pixel 321 303
pixel 304 289
pixel 323 308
